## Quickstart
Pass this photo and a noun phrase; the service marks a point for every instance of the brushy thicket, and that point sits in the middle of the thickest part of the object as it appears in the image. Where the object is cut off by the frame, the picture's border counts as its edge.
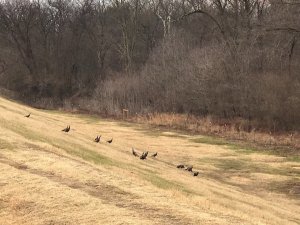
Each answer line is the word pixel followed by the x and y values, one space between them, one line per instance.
pixel 225 59
pixel 206 81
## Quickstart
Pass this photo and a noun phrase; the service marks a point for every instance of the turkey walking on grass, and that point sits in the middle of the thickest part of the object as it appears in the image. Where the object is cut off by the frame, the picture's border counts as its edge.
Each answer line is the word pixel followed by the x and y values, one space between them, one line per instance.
pixel 154 155
pixel 189 168
pixel 135 153
pixel 144 155
pixel 97 139
pixel 67 129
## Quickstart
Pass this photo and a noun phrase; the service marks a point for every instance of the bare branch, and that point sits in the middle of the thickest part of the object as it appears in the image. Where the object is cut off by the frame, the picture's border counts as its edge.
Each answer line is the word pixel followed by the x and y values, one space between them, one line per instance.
pixel 289 29
pixel 199 11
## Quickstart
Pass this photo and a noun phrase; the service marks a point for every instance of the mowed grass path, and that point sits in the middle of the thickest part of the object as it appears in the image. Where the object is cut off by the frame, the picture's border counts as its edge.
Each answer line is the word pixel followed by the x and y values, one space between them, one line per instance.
pixel 51 177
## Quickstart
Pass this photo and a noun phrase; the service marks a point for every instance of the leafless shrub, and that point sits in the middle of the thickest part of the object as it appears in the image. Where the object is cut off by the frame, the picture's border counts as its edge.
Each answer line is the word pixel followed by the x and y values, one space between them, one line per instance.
pixel 226 59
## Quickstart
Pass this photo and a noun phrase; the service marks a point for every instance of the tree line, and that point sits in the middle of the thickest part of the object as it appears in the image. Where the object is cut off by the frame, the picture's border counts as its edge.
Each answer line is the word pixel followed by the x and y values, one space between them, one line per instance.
pixel 224 58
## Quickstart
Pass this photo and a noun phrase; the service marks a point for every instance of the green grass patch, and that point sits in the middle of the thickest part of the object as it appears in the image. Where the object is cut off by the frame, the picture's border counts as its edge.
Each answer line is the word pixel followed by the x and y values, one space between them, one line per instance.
pixel 159 181
pixel 210 141
pixel 70 148
pixel 244 165
pixel 293 159
pixel 207 160
pixel 152 131
pixel 228 164
pixel 163 183
pixel 149 132
pixel 88 155
pixel 174 135
pixel 90 119
pixel 245 148
pixel 289 187
pixel 222 142
pixel 247 166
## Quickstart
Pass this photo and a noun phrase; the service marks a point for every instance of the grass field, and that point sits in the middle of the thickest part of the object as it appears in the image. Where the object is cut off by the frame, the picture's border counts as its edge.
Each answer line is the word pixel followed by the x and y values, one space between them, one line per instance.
pixel 51 177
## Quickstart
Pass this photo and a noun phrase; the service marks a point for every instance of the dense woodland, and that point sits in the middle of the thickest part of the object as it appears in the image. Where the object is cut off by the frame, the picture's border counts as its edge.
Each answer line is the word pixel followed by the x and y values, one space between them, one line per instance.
pixel 223 58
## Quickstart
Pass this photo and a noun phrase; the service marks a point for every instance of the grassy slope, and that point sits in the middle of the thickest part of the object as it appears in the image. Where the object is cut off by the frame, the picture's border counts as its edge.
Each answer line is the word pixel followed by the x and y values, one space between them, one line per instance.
pixel 50 177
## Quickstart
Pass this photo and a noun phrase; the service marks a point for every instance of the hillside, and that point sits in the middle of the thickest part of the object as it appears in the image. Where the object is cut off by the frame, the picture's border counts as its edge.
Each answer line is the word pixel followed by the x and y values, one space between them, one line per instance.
pixel 52 177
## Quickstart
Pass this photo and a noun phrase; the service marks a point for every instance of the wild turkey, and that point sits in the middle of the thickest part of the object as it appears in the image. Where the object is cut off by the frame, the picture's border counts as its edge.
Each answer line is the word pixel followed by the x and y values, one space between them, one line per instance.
pixel 110 141
pixel 154 155
pixel 189 168
pixel 135 153
pixel 28 115
pixel 180 166
pixel 144 155
pixel 67 129
pixel 97 139
pixel 196 174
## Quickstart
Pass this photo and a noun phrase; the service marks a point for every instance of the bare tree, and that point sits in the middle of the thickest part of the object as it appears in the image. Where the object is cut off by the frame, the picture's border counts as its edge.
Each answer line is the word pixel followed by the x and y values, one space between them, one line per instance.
pixel 16 20
pixel 167 11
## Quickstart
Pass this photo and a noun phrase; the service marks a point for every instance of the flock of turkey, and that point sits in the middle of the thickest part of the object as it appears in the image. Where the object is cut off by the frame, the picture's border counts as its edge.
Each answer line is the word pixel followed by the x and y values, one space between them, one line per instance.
pixel 143 156
pixel 188 168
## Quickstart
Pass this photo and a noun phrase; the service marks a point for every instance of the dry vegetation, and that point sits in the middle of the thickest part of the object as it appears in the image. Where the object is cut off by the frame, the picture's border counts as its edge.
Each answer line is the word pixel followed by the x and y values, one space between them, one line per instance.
pixel 239 130
pixel 209 83
pixel 228 59
pixel 51 177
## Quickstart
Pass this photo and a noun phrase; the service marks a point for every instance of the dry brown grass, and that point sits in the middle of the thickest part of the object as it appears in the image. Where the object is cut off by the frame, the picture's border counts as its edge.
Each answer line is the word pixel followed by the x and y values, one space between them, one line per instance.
pixel 51 177
pixel 237 129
